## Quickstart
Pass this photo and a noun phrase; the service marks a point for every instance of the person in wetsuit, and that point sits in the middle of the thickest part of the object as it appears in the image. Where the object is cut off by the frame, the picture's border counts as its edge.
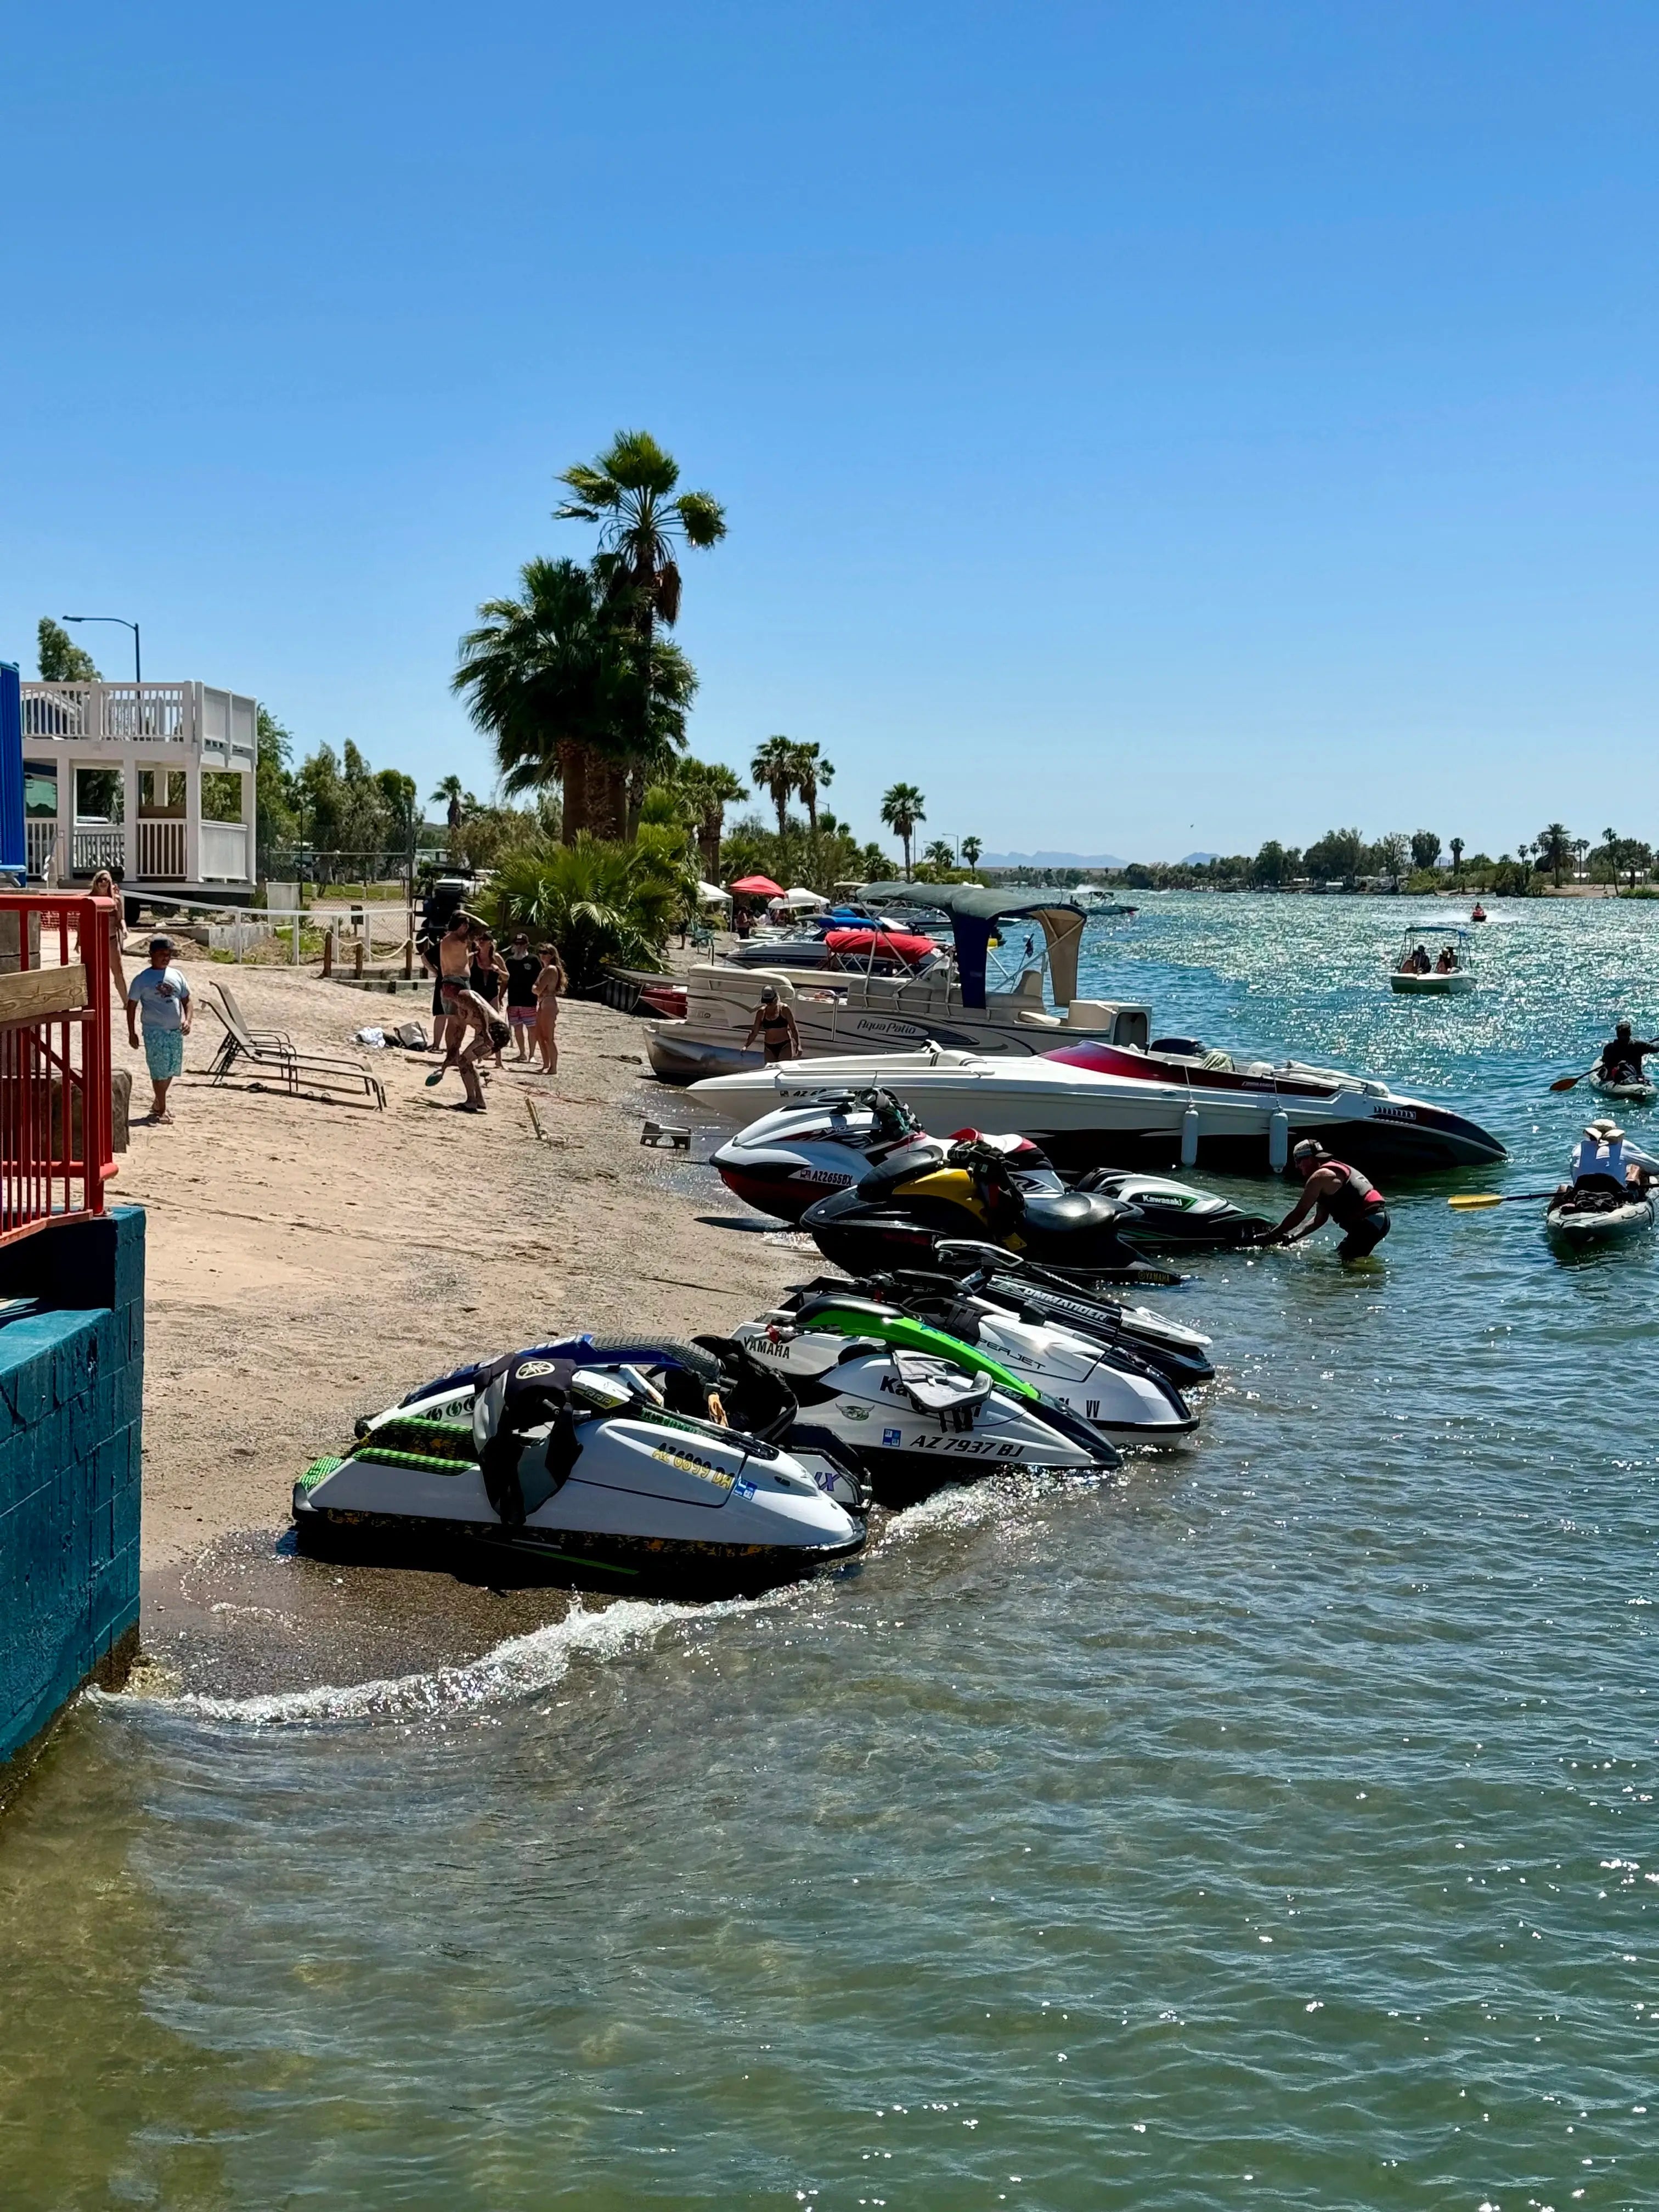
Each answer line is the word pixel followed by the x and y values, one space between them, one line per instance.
pixel 774 1025
pixel 1621 1061
pixel 1333 1191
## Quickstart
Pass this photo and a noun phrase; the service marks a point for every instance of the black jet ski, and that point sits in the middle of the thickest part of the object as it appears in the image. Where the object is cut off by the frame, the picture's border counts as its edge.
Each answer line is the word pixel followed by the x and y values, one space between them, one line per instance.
pixel 1174 1216
pixel 891 1217
pixel 640 1465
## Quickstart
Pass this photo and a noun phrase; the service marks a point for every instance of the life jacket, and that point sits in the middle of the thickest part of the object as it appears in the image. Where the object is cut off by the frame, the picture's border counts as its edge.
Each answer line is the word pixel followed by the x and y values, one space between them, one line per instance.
pixel 1595 1160
pixel 1356 1200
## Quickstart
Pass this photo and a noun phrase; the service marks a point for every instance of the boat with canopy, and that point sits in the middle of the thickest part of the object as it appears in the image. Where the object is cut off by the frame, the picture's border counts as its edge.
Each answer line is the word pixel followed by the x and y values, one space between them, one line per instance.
pixel 1436 960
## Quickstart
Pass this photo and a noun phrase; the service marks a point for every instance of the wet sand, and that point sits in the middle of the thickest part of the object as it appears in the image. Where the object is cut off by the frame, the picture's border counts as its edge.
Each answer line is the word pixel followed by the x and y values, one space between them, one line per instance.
pixel 309 1261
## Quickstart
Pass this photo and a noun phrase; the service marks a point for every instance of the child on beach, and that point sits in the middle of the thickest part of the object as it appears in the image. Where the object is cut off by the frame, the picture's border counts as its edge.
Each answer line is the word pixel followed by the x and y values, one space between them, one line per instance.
pixel 548 984
pixel 162 991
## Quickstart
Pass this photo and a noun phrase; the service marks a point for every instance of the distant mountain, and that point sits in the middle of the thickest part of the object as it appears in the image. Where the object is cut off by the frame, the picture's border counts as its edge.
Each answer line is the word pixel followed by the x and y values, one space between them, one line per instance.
pixel 1195 859
pixel 1051 860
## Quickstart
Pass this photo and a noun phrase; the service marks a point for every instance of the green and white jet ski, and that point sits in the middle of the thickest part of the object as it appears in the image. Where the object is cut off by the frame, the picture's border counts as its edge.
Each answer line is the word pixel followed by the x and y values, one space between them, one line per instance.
pixel 915 1407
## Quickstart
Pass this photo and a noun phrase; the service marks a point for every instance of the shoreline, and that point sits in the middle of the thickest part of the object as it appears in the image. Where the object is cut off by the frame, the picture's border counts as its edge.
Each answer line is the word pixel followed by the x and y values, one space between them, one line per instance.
pixel 308 1261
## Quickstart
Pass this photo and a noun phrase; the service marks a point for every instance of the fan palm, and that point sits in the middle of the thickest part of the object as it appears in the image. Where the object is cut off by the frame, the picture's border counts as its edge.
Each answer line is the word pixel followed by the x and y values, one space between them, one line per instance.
pixel 903 806
pixel 939 855
pixel 557 681
pixel 812 772
pixel 601 903
pixel 971 850
pixel 776 769
pixel 711 787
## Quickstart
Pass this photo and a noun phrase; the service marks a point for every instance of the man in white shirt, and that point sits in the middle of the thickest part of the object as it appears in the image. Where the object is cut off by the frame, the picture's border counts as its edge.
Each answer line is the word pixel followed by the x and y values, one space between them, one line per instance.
pixel 163 995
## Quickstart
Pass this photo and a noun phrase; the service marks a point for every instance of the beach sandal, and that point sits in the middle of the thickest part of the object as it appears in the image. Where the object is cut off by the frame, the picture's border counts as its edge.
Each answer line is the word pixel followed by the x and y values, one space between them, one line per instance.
pixel 436 1076
pixel 472 1106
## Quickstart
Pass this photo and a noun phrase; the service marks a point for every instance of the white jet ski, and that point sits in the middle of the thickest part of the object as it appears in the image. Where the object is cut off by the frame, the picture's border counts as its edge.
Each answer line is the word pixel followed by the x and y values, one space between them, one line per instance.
pixel 1107 1386
pixel 915 1407
pixel 612 1459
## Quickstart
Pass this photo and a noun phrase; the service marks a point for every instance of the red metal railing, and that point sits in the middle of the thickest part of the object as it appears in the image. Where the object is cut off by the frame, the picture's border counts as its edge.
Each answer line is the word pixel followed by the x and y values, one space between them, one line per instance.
pixel 56 1153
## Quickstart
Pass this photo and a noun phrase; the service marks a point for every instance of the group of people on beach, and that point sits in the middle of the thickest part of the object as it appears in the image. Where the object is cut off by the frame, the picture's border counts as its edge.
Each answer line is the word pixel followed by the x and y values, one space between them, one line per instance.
pixel 475 985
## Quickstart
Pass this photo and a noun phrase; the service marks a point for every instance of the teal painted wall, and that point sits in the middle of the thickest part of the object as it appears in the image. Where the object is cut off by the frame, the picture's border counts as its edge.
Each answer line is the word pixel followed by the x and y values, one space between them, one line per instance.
pixel 71 1403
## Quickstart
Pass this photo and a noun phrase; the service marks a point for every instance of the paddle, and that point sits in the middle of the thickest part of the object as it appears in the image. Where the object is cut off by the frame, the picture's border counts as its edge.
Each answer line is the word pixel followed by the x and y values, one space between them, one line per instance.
pixel 1466 1202
pixel 1567 1082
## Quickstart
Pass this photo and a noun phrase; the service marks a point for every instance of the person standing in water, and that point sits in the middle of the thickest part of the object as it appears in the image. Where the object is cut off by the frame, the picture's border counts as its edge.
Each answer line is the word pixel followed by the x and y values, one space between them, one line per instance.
pixel 1333 1191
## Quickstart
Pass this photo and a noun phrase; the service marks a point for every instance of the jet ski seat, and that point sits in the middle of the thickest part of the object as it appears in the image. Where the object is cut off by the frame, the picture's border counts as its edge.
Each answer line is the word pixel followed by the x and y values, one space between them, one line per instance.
pixel 934 1386
pixel 1073 1213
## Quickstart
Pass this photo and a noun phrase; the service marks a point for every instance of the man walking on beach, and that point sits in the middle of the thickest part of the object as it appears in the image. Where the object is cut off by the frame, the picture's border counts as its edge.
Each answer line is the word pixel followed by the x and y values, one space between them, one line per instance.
pixel 164 996
pixel 464 1009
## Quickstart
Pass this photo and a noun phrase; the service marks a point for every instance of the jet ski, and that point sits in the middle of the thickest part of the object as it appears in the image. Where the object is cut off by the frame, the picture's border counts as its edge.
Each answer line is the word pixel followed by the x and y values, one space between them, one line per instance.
pixel 643 1466
pixel 1107 1386
pixel 892 1216
pixel 807 1148
pixel 1174 1216
pixel 916 1407
pixel 1039 1293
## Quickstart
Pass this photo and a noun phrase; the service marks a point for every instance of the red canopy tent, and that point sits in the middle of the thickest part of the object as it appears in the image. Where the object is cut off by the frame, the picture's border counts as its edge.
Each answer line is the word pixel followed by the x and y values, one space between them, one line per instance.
pixel 759 887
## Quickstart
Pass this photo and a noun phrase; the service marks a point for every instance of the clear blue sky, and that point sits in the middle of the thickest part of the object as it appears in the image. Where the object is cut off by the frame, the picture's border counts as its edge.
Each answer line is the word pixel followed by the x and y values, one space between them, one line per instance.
pixel 1144 427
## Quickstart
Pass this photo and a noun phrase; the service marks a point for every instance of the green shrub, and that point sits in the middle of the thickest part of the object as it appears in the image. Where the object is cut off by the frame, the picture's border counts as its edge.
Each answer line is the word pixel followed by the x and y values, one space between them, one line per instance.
pixel 602 904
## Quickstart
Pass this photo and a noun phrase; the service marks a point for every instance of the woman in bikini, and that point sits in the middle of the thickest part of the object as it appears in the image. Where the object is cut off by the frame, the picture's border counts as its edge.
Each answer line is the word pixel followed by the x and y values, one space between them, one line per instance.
pixel 103 886
pixel 549 985
pixel 488 974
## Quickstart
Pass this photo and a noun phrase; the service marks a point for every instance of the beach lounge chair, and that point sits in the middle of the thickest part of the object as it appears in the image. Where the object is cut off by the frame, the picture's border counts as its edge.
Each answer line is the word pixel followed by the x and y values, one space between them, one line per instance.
pixel 314 1071
pixel 277 1040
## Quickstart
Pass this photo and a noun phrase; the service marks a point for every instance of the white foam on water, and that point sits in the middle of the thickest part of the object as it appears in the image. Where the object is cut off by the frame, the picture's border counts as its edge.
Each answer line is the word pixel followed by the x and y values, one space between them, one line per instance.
pixel 521 1668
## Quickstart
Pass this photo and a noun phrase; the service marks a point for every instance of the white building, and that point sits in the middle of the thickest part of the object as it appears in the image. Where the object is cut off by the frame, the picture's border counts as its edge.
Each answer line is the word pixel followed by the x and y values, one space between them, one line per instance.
pixel 155 780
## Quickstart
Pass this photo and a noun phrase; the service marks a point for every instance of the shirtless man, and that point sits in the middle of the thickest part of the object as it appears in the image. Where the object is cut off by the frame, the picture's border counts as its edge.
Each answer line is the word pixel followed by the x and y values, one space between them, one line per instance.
pixel 464 1009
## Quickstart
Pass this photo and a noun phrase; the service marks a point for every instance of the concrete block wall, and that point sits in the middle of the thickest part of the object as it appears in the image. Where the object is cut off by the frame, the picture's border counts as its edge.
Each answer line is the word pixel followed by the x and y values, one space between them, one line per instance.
pixel 72 1401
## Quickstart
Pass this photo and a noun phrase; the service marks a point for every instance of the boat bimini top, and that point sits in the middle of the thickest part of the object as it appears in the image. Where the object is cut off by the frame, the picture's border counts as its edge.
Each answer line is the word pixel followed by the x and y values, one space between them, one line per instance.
pixel 974 913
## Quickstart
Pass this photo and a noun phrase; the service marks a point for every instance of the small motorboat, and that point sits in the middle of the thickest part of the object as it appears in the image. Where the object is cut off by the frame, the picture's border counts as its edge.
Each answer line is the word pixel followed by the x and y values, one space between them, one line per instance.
pixel 1580 1218
pixel 1434 961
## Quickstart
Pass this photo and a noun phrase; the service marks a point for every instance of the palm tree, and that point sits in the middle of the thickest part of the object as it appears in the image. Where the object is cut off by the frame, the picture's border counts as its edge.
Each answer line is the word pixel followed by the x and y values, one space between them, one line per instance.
pixel 939 855
pixel 971 850
pixel 599 903
pixel 901 807
pixel 812 772
pixel 1457 858
pixel 776 769
pixel 557 683
pixel 628 490
pixel 711 787
pixel 1555 850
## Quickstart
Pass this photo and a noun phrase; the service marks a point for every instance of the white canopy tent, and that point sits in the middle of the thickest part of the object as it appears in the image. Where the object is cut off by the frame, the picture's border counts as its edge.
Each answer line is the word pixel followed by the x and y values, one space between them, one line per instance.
pixel 798 900
pixel 712 895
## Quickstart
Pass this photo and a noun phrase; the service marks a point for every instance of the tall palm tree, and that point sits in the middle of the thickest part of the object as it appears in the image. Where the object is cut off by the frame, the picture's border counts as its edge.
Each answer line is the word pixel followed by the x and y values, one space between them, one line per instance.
pixel 901 807
pixel 630 491
pixel 561 687
pixel 971 850
pixel 1457 858
pixel 812 772
pixel 776 769
pixel 711 787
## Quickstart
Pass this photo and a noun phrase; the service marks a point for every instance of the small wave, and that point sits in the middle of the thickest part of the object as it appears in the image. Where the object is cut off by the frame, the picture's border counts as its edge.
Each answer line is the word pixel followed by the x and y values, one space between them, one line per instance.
pixel 521 1668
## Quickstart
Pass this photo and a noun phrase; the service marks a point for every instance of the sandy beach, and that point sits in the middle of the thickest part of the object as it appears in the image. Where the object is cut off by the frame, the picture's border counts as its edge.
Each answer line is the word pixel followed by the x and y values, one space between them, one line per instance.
pixel 309 1261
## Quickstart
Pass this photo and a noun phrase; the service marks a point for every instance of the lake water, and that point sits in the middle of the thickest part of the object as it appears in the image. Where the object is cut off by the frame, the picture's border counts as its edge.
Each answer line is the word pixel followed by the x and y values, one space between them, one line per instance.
pixel 1273 1823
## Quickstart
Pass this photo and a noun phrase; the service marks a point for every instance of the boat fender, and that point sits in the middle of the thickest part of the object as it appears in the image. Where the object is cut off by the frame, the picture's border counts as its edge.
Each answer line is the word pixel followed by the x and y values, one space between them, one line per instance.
pixel 1279 1141
pixel 1189 1137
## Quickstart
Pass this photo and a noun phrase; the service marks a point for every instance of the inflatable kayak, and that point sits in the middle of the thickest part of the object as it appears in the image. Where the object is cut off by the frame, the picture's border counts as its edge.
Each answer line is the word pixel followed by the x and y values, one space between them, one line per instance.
pixel 1576 1221
pixel 1634 1094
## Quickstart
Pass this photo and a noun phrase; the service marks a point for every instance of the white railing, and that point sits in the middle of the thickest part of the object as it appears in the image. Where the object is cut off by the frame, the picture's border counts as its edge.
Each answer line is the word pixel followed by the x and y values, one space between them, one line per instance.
pixel 162 851
pixel 101 847
pixel 221 724
pixel 42 836
pixel 224 853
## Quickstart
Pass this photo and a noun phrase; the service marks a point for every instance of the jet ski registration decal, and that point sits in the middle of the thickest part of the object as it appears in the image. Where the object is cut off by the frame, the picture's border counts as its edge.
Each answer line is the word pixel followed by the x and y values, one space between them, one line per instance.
pixel 701 1468
pixel 930 1440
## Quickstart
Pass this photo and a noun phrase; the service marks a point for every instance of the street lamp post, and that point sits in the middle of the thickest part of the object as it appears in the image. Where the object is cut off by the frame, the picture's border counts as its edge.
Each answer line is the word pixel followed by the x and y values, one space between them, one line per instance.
pixel 137 664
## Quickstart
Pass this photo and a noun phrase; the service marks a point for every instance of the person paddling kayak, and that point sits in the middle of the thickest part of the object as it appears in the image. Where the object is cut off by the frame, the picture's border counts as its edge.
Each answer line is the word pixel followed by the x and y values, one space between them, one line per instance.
pixel 1621 1060
pixel 1333 1191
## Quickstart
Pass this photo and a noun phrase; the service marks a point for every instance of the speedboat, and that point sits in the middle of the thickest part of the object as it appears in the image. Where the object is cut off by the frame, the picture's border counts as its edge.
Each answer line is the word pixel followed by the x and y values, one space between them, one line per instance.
pixel 1109 1387
pixel 643 1465
pixel 948 1000
pixel 1097 1105
pixel 916 1407
pixel 1420 970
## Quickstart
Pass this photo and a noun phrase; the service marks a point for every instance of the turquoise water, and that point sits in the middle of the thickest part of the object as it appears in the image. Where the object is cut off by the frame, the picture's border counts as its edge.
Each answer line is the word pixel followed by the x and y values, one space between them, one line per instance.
pixel 1273 1823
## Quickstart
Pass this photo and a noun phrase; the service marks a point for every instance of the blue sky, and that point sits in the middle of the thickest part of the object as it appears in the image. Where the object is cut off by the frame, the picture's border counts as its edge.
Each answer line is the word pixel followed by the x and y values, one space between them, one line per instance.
pixel 1144 427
